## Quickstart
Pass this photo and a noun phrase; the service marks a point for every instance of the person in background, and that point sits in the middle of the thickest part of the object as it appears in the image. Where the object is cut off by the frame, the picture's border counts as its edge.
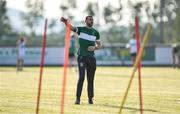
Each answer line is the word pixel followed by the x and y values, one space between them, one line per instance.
pixel 21 53
pixel 176 55
pixel 132 46
pixel 72 51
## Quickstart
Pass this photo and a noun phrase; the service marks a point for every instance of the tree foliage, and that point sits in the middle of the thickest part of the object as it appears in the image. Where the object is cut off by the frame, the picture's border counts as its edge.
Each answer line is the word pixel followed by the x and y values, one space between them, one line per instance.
pixel 165 12
pixel 34 15
pixel 32 19
pixel 91 9
pixel 164 15
pixel 5 27
pixel 67 7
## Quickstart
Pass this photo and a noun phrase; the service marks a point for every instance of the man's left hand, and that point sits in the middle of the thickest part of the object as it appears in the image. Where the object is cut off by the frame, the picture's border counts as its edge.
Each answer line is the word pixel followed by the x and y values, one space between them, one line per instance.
pixel 91 48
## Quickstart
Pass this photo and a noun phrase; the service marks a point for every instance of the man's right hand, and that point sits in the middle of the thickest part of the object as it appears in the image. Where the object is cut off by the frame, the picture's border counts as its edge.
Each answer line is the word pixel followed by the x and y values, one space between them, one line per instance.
pixel 64 20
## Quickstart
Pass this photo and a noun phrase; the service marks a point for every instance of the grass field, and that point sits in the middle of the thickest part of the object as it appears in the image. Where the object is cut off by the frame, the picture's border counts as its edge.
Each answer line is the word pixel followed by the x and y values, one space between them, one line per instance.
pixel 160 85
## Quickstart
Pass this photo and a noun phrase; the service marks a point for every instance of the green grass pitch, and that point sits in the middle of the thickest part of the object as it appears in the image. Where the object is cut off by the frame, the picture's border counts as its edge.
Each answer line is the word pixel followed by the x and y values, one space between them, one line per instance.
pixel 160 90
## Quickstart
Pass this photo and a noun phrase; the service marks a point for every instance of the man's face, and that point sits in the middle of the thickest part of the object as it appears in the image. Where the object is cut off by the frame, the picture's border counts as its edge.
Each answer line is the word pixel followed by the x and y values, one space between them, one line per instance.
pixel 89 21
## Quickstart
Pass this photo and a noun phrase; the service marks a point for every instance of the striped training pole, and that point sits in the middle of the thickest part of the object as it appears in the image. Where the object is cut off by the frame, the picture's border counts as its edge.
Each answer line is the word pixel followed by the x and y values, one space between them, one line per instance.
pixel 139 65
pixel 42 65
pixel 66 58
pixel 138 57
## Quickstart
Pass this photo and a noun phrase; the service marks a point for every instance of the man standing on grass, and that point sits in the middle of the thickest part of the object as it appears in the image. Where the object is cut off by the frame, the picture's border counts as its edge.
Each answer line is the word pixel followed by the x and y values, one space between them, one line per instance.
pixel 89 41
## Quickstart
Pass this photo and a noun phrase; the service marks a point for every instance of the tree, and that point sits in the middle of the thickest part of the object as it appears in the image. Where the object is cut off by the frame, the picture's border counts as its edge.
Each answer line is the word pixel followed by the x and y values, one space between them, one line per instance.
pixel 108 11
pixel 4 20
pixel 34 15
pixel 163 15
pixel 169 9
pixel 67 7
pixel 112 15
pixel 91 8
pixel 177 22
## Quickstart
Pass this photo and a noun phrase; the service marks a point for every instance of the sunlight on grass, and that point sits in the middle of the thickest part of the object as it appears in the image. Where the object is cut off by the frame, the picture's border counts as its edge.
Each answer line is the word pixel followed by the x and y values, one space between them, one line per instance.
pixel 161 91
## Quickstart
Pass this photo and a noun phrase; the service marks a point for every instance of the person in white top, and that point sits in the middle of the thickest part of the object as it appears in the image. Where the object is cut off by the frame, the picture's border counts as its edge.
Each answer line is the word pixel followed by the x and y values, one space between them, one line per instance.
pixel 21 53
pixel 132 46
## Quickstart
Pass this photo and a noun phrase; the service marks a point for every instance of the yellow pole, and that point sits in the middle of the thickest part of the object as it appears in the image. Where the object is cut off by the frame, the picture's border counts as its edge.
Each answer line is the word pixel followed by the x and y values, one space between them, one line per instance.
pixel 138 58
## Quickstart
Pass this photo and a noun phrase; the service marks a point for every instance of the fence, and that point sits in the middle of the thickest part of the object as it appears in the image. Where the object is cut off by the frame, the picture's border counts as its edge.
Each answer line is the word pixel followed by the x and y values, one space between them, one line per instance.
pixel 116 55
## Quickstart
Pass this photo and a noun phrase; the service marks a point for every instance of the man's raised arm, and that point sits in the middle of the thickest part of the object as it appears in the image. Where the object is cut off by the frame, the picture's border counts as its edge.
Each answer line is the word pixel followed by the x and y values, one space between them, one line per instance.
pixel 64 20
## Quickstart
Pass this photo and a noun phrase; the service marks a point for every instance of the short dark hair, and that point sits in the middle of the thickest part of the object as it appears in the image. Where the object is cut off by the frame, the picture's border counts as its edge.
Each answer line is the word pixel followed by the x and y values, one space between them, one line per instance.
pixel 88 17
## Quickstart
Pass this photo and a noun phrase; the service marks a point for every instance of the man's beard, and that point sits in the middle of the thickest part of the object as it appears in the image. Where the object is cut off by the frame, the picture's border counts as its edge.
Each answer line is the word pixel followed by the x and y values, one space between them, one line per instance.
pixel 90 24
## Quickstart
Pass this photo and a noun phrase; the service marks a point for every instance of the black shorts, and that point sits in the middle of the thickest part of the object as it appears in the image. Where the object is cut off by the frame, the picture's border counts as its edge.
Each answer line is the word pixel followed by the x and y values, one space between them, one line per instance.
pixel 133 54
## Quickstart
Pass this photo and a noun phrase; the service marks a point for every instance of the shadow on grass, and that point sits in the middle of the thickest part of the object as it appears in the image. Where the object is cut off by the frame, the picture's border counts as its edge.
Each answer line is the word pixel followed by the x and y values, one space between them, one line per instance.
pixel 133 110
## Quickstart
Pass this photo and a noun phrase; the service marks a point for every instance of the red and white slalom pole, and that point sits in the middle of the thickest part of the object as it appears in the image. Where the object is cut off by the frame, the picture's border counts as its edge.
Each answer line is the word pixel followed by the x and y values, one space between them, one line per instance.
pixel 66 59
pixel 139 64
pixel 42 65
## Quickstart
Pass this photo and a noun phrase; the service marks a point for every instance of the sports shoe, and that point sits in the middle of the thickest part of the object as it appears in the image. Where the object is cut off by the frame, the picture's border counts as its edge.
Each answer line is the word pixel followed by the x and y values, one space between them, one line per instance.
pixel 77 102
pixel 90 101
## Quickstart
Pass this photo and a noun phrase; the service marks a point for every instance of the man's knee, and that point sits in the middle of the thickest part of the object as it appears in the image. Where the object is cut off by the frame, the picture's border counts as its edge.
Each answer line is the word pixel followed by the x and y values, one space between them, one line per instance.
pixel 81 79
